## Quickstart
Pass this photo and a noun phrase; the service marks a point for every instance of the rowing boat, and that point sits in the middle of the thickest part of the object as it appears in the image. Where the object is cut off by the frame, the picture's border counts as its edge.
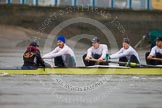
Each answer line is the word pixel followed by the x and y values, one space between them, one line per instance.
pixel 107 70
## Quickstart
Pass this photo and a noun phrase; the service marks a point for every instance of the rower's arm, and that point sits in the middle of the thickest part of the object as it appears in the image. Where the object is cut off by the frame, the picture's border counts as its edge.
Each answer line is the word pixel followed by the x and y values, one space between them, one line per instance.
pixel 104 52
pixel 39 59
pixel 154 58
pixel 48 55
pixel 119 54
pixel 150 57
pixel 152 53
pixel 89 52
pixel 53 55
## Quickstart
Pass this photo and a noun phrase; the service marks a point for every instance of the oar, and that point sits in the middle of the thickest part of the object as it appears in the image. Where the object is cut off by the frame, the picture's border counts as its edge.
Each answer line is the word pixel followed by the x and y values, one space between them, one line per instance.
pixel 158 59
pixel 125 63
pixel 122 63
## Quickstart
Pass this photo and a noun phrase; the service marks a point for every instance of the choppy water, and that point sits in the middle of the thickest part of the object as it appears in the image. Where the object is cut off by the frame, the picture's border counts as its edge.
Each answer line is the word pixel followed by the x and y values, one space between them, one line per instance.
pixel 78 91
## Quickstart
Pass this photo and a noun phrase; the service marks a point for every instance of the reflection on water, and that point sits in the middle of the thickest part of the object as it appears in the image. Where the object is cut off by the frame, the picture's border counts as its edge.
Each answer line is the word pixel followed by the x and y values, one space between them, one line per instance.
pixel 39 91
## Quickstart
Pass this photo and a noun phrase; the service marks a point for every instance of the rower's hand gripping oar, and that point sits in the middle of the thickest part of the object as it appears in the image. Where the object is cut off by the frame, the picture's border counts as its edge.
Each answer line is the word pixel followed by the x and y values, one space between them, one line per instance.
pixel 123 63
pixel 157 59
pixel 132 64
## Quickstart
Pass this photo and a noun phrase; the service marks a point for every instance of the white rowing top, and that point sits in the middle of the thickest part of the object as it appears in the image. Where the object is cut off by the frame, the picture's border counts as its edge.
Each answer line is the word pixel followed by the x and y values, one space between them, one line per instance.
pixel 101 50
pixel 155 50
pixel 60 52
pixel 125 52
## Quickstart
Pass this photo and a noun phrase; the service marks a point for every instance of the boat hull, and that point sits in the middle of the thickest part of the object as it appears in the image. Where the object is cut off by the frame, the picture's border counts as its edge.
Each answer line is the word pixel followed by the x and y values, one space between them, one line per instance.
pixel 91 71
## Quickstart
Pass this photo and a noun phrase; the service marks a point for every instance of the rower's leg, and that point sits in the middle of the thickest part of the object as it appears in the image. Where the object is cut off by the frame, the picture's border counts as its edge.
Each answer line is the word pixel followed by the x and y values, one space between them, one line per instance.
pixel 59 61
pixel 28 67
pixel 47 65
pixel 104 63
pixel 150 62
pixel 88 63
pixel 122 59
pixel 147 61
pixel 134 59
pixel 69 61
pixel 158 55
pixel 96 56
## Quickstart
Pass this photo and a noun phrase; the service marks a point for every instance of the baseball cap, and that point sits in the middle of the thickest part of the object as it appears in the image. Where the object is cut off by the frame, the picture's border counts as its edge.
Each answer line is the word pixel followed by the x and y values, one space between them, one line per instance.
pixel 35 44
pixel 159 39
pixel 95 39
pixel 126 40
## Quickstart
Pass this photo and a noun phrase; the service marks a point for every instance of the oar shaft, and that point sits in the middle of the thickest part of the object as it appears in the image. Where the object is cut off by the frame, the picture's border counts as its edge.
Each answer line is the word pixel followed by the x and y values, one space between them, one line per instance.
pixel 158 59
pixel 125 63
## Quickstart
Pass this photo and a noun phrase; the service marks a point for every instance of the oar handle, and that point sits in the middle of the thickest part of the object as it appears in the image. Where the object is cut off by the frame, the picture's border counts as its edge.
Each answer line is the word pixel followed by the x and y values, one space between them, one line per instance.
pixel 124 63
pixel 158 59
pixel 96 60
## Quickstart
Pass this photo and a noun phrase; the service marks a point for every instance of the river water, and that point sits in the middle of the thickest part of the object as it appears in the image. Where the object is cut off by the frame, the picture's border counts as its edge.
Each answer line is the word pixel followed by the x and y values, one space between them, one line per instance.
pixel 42 91
pixel 76 91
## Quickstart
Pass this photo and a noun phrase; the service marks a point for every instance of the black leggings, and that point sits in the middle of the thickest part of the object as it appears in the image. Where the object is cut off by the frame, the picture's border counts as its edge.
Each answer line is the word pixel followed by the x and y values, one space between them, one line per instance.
pixel 133 59
pixel 153 62
pixel 59 61
pixel 69 61
pixel 91 63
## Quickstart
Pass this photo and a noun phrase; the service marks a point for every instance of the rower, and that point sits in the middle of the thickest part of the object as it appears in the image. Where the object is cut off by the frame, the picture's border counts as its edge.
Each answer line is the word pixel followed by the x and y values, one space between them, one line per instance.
pixel 32 57
pixel 155 56
pixel 126 54
pixel 63 55
pixel 96 51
